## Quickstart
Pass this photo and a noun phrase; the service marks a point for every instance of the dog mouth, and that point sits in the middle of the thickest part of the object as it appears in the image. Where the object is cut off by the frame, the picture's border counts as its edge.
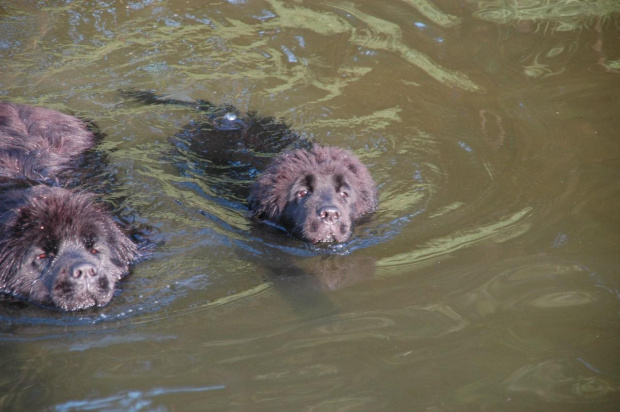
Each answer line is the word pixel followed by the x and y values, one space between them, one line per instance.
pixel 71 297
pixel 78 302
pixel 329 233
pixel 326 239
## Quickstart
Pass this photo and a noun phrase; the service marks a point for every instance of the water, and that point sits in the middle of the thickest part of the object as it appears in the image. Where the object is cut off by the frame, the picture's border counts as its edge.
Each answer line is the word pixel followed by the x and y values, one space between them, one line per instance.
pixel 487 280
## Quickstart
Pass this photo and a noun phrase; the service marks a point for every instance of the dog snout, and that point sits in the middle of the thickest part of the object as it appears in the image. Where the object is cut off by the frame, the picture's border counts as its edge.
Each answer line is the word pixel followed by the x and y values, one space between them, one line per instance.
pixel 329 213
pixel 81 270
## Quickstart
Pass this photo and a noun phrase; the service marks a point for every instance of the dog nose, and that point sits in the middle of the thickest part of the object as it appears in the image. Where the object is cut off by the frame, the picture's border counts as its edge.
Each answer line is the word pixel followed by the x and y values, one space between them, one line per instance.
pixel 82 269
pixel 329 213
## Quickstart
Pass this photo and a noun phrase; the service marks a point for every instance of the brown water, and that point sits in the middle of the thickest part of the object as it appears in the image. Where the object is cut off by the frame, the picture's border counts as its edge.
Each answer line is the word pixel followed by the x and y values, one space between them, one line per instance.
pixel 488 279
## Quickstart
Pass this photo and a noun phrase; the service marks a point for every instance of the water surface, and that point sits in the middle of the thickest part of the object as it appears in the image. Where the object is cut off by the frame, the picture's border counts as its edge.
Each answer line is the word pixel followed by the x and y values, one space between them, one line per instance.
pixel 487 280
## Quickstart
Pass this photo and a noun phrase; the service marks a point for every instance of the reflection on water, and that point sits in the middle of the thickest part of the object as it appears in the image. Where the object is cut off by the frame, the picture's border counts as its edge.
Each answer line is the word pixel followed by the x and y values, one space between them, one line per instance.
pixel 131 400
pixel 555 381
pixel 487 279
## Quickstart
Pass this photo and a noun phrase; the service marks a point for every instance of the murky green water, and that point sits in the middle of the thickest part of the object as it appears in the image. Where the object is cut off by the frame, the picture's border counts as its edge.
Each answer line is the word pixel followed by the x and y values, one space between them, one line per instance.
pixel 488 279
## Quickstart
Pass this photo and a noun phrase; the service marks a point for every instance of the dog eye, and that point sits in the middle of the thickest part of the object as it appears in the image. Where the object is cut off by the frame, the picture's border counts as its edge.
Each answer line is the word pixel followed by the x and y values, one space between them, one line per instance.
pixel 44 256
pixel 94 251
pixel 344 194
pixel 302 193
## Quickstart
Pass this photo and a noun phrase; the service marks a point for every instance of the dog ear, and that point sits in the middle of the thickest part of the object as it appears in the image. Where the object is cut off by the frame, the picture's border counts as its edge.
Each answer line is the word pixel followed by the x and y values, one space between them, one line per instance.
pixel 367 201
pixel 365 186
pixel 270 192
pixel 123 250
pixel 267 199
pixel 258 207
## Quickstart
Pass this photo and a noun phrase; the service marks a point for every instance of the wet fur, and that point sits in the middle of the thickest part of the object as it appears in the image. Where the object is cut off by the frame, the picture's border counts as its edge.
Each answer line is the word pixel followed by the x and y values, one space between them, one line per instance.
pixel 316 194
pixel 58 248
pixel 39 144
pixel 337 187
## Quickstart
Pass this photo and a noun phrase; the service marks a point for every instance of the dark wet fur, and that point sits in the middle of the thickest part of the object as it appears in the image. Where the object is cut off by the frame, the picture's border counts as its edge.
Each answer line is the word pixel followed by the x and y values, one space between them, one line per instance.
pixel 40 144
pixel 58 248
pixel 316 194
pixel 224 147
pixel 337 187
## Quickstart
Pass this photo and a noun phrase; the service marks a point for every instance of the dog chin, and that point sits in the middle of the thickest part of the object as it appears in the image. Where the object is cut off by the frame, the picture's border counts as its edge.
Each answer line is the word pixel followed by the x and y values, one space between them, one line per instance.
pixel 328 234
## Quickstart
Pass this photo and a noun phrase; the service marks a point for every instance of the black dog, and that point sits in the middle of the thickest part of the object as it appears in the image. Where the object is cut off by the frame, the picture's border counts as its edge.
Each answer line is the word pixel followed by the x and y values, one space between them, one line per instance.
pixel 58 248
pixel 315 192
